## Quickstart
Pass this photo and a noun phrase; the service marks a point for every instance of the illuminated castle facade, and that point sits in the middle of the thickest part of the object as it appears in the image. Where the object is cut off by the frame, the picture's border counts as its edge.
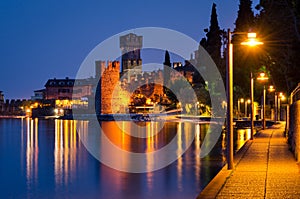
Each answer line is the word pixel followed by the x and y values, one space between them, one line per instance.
pixel 125 86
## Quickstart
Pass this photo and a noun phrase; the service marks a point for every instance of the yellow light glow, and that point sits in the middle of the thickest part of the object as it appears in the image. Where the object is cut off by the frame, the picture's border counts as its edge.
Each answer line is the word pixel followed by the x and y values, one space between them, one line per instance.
pixel 251 35
pixel 148 101
pixel 242 100
pixel 271 88
pixel 252 41
pixel 262 77
pixel 248 101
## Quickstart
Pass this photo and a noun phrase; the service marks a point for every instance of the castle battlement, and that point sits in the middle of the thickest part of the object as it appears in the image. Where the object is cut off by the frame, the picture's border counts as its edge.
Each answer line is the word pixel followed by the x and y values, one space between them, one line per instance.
pixel 113 66
pixel 102 66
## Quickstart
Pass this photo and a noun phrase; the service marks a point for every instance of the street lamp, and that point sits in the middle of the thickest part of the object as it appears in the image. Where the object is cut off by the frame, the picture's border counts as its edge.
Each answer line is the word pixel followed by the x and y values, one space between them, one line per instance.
pixel 239 106
pixel 272 89
pixel 281 97
pixel 252 106
pixel 229 88
pixel 247 102
pixel 263 77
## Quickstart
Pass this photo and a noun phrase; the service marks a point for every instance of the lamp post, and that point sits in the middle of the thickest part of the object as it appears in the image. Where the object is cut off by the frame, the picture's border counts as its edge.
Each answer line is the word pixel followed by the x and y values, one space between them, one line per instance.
pixel 264 108
pixel 229 90
pixel 276 107
pixel 280 98
pixel 263 77
pixel 246 108
pixel 272 89
pixel 252 106
pixel 239 107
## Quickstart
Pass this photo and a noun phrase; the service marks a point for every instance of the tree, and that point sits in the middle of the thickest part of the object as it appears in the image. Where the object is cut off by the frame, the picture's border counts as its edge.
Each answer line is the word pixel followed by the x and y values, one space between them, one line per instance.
pixel 213 41
pixel 166 71
pixel 213 44
pixel 167 61
pixel 245 19
pixel 279 23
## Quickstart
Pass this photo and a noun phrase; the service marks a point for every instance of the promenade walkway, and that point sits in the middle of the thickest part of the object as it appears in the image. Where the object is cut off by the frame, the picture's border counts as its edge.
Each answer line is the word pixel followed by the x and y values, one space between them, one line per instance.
pixel 264 168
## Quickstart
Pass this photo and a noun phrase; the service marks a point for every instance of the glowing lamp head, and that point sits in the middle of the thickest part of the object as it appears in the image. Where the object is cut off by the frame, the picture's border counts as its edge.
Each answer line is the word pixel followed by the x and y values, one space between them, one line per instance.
pixel 252 41
pixel 271 88
pixel 262 76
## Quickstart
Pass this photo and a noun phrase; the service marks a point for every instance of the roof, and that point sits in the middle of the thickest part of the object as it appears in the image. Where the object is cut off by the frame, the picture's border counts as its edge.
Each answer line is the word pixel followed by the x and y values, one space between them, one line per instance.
pixel 60 82
pixel 85 82
pixel 41 90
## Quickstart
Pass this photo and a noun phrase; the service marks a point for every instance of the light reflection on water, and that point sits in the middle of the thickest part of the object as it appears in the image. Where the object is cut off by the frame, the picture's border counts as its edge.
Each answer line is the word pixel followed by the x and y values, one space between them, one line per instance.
pixel 45 159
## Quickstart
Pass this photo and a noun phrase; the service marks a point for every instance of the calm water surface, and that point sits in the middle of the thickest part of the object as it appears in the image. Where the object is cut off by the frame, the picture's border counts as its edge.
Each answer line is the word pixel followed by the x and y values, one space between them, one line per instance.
pixel 46 159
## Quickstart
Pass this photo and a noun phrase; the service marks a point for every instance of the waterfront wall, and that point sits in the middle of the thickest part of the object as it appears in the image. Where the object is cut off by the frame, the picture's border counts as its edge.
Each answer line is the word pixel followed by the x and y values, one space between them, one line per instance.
pixel 294 125
pixel 12 107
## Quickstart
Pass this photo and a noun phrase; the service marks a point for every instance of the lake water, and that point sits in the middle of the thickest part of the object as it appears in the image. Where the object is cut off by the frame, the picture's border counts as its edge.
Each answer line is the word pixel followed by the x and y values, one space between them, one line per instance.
pixel 46 159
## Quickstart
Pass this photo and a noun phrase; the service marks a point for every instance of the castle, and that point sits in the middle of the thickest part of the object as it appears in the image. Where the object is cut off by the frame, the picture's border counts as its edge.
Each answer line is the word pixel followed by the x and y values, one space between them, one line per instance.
pixel 116 88
pixel 121 89
pixel 115 94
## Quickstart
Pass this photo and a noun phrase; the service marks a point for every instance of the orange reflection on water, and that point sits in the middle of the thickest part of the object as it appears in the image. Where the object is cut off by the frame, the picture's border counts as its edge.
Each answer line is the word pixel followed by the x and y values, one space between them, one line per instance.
pixel 65 149
pixel 242 136
pixel 119 133
pixel 32 150
pixel 179 152
pixel 197 153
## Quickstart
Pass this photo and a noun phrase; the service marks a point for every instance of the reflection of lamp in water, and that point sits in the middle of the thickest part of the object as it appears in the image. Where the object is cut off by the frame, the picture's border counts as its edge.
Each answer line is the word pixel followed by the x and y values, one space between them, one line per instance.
pixel 32 150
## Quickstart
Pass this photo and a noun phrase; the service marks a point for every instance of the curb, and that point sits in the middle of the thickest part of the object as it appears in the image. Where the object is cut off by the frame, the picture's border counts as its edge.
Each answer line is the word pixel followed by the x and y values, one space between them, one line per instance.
pixel 216 184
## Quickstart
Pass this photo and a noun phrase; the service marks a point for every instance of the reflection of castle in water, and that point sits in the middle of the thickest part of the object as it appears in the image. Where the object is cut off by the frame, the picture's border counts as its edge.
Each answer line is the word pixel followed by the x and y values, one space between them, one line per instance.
pixel 32 150
pixel 66 149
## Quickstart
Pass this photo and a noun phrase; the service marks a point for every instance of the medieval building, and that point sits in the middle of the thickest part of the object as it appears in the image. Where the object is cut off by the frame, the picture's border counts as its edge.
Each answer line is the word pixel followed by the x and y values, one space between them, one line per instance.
pixel 131 45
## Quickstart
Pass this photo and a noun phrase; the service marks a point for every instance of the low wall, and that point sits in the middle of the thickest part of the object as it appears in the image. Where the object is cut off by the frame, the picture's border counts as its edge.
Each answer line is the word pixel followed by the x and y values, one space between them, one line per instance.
pixel 294 129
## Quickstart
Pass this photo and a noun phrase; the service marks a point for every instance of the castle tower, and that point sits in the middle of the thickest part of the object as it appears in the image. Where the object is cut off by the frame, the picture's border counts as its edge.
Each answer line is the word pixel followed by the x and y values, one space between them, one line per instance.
pixel 99 68
pixel 130 45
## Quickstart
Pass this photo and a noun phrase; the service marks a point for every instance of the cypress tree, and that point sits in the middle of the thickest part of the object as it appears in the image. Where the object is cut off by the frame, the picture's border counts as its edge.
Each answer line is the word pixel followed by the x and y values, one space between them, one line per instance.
pixel 213 44
pixel 245 19
pixel 167 61
pixel 213 41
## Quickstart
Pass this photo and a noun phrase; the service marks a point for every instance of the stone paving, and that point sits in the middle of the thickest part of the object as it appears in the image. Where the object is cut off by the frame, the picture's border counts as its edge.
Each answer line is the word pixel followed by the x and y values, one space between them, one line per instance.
pixel 266 170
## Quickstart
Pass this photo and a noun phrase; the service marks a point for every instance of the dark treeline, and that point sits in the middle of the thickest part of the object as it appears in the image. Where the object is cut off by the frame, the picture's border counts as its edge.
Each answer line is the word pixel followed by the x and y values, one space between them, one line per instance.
pixel 277 24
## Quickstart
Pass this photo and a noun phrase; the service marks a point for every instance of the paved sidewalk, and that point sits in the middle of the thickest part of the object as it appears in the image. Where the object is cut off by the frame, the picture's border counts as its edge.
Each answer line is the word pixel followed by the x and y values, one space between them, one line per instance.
pixel 265 169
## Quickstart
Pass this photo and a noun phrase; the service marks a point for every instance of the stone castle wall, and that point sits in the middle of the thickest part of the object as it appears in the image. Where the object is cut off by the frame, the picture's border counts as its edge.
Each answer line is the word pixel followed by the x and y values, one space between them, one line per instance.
pixel 109 80
pixel 115 95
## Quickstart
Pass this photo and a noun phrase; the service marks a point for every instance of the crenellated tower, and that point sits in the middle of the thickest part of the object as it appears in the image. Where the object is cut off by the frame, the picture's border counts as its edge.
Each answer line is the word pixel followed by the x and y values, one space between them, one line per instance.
pixel 131 45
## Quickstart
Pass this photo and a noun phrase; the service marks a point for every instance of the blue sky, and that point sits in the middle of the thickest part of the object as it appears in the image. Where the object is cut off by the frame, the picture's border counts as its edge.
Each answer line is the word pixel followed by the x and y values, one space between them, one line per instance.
pixel 46 39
